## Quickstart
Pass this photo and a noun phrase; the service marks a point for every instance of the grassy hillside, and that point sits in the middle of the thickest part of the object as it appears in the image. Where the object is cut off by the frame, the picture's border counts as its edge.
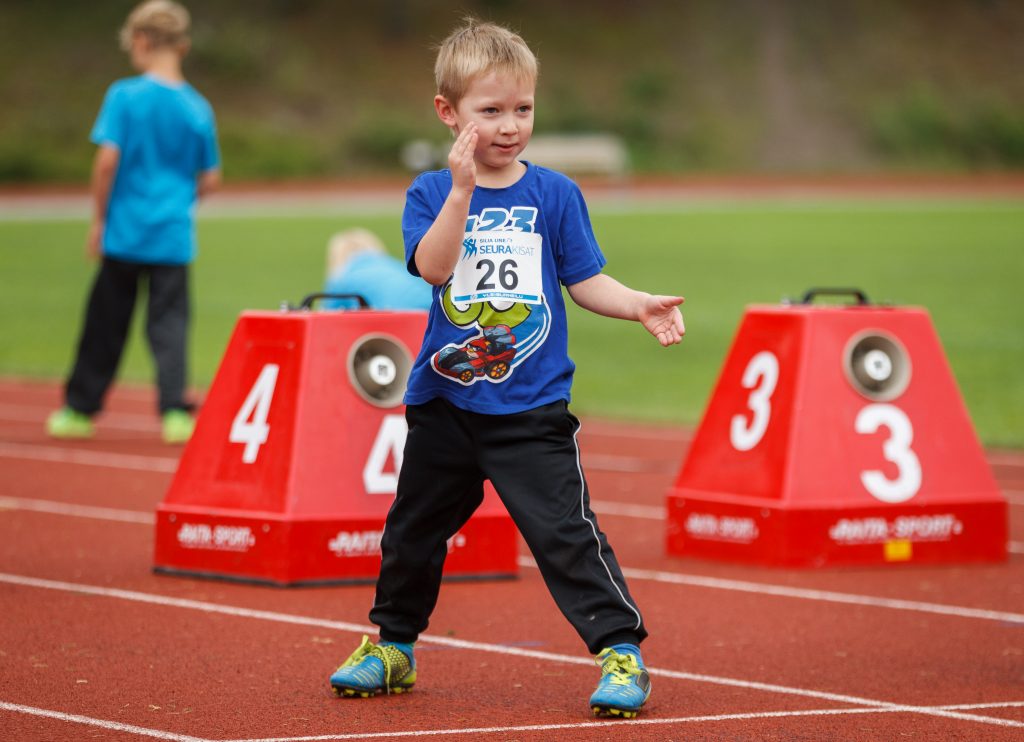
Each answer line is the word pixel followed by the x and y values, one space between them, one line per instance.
pixel 320 88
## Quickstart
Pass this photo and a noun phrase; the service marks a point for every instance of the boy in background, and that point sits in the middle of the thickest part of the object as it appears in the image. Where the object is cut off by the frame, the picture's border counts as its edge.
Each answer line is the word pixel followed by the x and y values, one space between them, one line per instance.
pixel 157 154
pixel 497 238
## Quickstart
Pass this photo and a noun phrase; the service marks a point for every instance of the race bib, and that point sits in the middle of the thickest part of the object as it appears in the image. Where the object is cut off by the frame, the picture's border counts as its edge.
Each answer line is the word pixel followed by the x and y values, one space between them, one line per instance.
pixel 502 266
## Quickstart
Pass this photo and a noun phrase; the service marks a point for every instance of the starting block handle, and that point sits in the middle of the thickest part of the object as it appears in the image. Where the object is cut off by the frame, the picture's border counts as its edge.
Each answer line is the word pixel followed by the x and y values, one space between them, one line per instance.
pixel 307 302
pixel 810 294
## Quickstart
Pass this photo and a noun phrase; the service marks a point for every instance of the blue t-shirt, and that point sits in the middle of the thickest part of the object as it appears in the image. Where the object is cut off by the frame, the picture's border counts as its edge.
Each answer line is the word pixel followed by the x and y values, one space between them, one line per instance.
pixel 166 136
pixel 509 352
pixel 380 279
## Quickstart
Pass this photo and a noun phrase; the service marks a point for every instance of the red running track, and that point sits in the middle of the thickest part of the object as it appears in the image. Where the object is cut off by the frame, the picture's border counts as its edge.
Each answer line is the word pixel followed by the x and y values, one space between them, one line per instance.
pixel 94 646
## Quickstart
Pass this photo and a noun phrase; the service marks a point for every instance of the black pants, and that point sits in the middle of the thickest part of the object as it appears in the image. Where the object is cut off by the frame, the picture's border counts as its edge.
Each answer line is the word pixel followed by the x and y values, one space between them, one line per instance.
pixel 105 330
pixel 532 458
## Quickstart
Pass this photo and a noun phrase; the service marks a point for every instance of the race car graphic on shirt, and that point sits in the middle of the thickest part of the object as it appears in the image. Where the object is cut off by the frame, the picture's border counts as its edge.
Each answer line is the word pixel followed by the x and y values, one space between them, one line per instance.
pixel 490 355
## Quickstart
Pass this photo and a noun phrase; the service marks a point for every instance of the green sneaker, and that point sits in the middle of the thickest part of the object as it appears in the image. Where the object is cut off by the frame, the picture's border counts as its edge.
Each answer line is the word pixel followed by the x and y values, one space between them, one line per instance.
pixel 625 685
pixel 178 426
pixel 375 668
pixel 69 423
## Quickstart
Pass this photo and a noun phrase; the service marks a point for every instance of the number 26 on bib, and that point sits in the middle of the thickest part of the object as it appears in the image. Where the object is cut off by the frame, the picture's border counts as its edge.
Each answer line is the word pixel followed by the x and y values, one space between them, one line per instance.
pixel 499 266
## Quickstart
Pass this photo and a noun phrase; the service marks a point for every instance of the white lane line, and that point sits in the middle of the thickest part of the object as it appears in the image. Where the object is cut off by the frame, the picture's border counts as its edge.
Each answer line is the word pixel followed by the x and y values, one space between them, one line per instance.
pixel 162 600
pixel 89 721
pixel 101 723
pixel 1015 547
pixel 672 578
pixel 76 511
pixel 633 722
pixel 133 462
pixel 978 706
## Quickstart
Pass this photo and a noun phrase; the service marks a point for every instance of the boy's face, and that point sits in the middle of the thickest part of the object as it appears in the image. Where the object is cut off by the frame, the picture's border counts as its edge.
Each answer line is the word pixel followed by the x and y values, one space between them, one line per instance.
pixel 502 108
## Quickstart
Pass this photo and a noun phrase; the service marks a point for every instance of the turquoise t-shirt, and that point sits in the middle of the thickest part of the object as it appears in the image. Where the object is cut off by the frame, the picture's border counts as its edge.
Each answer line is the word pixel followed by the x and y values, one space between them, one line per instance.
pixel 166 136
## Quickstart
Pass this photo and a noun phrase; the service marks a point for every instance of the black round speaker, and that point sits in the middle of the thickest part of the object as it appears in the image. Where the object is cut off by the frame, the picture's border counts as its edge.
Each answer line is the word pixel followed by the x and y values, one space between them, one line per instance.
pixel 378 368
pixel 877 365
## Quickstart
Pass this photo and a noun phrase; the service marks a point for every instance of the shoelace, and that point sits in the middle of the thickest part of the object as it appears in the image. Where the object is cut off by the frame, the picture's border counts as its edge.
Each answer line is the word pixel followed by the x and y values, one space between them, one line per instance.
pixel 621 667
pixel 387 656
pixel 369 649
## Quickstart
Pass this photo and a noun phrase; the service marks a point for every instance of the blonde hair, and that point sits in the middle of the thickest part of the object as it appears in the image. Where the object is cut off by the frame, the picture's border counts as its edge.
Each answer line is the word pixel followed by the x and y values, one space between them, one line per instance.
pixel 477 48
pixel 164 22
pixel 343 245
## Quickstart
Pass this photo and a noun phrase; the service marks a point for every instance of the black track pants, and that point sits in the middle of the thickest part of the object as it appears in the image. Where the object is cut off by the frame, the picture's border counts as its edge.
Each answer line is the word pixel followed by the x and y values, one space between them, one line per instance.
pixel 532 458
pixel 105 330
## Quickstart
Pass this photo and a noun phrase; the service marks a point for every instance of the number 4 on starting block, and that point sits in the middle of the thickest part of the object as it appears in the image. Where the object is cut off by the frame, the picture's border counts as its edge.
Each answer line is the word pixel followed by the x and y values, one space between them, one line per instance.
pixel 250 424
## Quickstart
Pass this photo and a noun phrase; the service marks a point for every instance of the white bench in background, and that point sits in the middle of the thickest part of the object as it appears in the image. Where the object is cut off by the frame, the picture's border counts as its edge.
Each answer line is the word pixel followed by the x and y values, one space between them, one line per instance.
pixel 572 154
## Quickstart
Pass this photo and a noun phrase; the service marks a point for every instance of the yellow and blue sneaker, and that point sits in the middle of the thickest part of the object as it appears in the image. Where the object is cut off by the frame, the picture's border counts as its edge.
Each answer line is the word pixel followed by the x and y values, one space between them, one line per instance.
pixel 625 684
pixel 387 667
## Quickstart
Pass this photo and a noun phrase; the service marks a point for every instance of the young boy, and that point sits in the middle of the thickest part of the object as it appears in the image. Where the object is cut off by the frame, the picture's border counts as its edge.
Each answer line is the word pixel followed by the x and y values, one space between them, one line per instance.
pixel 496 237
pixel 157 152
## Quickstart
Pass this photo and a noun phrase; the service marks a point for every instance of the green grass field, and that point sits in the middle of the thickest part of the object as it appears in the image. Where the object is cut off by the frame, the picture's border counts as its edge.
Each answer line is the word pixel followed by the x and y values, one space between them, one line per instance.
pixel 962 260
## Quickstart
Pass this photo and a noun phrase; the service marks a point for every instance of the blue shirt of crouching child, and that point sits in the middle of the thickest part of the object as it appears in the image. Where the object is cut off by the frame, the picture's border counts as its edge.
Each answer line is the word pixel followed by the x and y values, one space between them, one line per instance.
pixel 496 339
pixel 166 136
pixel 381 280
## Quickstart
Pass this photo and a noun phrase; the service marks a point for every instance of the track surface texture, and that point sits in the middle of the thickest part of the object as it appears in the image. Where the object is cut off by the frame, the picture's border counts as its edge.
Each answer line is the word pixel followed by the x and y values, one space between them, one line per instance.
pixel 93 645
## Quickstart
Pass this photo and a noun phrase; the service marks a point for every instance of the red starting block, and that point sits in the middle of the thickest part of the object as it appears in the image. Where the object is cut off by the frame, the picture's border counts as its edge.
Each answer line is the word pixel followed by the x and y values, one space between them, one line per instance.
pixel 836 435
pixel 294 461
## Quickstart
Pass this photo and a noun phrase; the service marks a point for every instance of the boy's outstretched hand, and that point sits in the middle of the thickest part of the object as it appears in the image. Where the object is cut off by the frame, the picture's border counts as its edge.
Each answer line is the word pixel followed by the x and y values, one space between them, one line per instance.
pixel 603 295
pixel 662 318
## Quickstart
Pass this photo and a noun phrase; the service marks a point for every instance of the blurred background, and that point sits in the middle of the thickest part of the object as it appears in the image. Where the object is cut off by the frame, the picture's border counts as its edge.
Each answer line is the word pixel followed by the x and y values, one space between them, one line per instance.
pixel 680 106
pixel 336 89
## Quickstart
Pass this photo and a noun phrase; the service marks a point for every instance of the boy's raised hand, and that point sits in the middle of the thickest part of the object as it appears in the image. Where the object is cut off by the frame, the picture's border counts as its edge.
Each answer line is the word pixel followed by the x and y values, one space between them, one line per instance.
pixel 461 161
pixel 662 318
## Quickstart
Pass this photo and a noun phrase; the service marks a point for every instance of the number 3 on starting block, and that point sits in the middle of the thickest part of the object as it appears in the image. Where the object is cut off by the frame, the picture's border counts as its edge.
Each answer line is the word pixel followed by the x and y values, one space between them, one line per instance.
pixel 760 376
pixel 896 450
